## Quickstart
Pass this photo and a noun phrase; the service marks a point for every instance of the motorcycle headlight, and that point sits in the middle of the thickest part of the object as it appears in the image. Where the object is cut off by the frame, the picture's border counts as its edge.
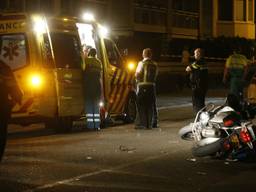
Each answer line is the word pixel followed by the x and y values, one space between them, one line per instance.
pixel 204 117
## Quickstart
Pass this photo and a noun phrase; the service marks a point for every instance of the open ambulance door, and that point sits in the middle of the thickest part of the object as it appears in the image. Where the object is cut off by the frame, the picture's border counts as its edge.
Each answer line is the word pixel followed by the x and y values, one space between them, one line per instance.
pixel 67 79
pixel 122 101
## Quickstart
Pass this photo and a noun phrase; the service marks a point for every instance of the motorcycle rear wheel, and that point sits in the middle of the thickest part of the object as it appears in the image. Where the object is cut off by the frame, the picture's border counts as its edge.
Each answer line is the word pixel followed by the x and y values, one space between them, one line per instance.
pixel 207 150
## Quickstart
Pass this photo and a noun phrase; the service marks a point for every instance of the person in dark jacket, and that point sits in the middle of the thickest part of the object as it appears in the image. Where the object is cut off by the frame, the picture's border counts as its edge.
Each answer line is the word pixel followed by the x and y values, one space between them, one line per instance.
pixel 198 79
pixel 10 94
pixel 145 75
pixel 92 89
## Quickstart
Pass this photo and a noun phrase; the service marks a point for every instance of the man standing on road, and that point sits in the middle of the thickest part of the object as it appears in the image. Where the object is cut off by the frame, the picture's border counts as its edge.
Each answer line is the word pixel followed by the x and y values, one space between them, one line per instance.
pixel 10 94
pixel 235 71
pixel 199 80
pixel 145 75
pixel 92 89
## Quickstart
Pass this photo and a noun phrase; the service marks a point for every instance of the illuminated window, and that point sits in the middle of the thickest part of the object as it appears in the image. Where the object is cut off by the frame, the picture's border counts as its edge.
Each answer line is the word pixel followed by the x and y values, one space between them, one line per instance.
pixel 225 10
pixel 250 10
pixel 240 10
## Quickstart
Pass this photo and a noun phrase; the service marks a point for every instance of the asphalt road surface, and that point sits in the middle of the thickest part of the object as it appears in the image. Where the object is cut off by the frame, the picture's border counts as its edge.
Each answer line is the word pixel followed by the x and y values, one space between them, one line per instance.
pixel 118 158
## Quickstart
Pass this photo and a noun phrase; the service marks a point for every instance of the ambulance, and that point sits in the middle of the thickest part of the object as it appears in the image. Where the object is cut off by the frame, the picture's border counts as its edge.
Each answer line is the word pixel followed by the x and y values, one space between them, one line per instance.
pixel 46 56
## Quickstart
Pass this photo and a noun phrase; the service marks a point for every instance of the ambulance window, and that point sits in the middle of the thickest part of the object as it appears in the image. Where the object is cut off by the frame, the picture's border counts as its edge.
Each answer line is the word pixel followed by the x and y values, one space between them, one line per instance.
pixel 13 50
pixel 47 53
pixel 113 54
pixel 66 50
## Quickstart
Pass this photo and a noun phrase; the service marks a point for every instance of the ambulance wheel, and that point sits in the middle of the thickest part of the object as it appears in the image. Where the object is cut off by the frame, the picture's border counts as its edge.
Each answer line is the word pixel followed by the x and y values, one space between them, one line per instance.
pixel 64 124
pixel 130 110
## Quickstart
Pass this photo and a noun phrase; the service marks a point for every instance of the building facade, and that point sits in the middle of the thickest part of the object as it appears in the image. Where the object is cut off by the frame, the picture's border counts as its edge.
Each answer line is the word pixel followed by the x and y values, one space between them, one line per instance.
pixel 140 23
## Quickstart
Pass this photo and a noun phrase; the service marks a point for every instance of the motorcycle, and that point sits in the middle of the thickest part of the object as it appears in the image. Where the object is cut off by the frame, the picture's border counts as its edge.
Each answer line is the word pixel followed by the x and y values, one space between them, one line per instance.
pixel 221 131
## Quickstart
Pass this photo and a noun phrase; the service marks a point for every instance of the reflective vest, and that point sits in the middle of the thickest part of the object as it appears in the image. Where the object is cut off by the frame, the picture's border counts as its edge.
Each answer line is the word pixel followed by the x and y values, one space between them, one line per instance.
pixel 199 65
pixel 92 64
pixel 148 73
pixel 236 64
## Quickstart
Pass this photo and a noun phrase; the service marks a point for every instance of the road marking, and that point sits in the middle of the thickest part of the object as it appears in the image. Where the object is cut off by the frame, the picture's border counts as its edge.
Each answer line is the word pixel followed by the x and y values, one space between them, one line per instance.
pixel 79 177
pixel 216 100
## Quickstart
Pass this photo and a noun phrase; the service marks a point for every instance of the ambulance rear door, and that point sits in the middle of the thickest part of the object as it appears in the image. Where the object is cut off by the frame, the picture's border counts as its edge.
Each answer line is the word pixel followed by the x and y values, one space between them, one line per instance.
pixel 69 81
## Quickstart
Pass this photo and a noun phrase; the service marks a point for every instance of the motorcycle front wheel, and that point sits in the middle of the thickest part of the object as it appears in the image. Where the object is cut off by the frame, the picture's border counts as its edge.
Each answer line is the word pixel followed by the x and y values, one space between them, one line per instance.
pixel 207 150
pixel 186 133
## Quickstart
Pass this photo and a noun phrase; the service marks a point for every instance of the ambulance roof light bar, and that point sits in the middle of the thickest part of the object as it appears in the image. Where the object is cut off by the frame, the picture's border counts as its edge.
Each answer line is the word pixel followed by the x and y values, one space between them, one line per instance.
pixel 40 25
pixel 103 30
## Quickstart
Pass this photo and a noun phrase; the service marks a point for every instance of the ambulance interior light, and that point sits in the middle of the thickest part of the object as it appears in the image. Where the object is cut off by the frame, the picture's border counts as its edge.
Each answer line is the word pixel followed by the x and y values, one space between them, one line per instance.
pixel 88 16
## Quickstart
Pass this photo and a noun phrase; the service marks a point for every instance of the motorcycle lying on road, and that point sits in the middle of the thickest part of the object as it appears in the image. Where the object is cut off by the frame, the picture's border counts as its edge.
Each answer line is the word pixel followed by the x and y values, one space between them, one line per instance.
pixel 222 132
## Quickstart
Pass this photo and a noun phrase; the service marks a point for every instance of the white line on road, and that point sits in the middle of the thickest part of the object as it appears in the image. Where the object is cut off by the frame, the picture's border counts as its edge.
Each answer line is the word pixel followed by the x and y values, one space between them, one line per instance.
pixel 79 177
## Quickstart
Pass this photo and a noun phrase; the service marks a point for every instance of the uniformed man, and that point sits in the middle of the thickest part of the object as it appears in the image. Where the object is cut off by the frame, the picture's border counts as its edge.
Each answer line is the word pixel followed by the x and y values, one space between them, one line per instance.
pixel 198 79
pixel 92 89
pixel 145 75
pixel 235 71
pixel 10 94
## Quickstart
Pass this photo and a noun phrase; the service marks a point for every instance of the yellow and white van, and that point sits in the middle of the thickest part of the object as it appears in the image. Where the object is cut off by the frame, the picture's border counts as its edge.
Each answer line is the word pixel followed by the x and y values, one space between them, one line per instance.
pixel 46 56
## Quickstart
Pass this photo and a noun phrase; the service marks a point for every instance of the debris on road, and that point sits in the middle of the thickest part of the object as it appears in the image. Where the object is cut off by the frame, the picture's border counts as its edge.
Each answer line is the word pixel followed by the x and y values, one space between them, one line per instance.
pixel 201 173
pixel 88 157
pixel 127 149
pixel 192 159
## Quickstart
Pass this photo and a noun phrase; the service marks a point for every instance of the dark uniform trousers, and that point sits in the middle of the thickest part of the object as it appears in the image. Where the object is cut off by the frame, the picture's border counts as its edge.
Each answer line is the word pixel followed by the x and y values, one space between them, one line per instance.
pixel 92 99
pixel 146 102
pixel 199 90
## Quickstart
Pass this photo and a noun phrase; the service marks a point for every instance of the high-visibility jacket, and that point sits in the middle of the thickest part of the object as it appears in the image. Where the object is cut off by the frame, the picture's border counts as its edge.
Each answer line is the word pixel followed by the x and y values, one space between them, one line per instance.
pixel 92 64
pixel 236 64
pixel 148 72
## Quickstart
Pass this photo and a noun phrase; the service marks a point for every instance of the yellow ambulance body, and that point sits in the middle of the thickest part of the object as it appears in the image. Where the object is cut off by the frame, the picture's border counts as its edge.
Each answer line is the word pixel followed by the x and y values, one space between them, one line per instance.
pixel 46 57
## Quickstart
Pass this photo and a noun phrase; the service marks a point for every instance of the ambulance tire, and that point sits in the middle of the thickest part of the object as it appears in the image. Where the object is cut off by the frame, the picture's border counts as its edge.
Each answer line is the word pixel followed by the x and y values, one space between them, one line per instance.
pixel 64 124
pixel 130 110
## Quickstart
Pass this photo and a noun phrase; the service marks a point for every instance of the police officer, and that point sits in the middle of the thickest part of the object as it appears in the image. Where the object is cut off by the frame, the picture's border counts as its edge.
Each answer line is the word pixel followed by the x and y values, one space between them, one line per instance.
pixel 236 70
pixel 145 75
pixel 92 89
pixel 10 94
pixel 198 79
